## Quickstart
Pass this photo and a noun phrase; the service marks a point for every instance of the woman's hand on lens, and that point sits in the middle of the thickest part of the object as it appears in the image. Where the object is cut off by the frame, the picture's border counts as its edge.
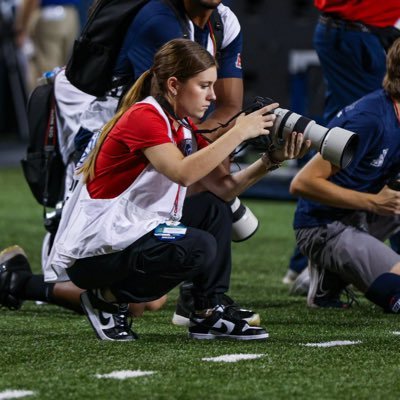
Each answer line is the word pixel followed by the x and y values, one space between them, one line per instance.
pixel 257 122
pixel 295 147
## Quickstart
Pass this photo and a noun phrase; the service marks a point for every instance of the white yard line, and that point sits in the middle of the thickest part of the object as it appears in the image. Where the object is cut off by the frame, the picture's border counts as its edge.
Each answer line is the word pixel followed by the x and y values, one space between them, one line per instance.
pixel 15 394
pixel 396 333
pixel 233 357
pixel 125 374
pixel 332 343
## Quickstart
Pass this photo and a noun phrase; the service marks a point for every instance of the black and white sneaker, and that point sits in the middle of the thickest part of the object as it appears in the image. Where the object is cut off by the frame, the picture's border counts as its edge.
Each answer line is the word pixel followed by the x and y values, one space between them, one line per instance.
pixel 185 306
pixel 220 325
pixel 325 289
pixel 234 310
pixel 14 271
pixel 109 321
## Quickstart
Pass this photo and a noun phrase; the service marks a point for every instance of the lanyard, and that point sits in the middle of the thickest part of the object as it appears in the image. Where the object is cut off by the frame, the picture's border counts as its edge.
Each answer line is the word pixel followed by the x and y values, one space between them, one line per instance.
pixel 175 207
pixel 214 42
pixel 178 136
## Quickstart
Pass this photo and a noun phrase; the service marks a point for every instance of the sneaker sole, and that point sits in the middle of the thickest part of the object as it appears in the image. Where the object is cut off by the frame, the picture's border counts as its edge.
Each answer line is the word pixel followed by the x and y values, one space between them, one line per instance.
pixel 179 320
pixel 86 305
pixel 211 336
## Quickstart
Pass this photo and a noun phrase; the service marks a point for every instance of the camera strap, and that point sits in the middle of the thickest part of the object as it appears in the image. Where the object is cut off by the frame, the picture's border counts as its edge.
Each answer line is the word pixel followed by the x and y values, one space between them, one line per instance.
pixel 166 106
pixel 258 103
pixel 223 125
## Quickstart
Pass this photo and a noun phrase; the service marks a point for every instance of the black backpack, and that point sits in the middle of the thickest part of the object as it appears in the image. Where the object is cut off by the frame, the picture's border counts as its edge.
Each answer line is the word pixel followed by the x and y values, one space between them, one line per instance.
pixel 95 52
pixel 43 166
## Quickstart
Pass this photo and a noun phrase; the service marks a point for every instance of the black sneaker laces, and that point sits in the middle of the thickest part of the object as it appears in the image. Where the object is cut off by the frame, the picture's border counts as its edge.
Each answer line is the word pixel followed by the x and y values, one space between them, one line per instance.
pixel 232 313
pixel 122 322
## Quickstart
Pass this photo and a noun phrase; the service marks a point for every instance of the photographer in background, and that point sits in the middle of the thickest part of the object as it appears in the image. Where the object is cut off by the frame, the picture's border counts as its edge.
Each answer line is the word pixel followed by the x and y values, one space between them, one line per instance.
pixel 343 216
pixel 351 40
pixel 52 25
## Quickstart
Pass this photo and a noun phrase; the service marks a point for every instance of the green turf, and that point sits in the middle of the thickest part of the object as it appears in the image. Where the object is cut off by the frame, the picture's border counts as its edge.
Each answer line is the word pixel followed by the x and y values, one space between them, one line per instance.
pixel 54 352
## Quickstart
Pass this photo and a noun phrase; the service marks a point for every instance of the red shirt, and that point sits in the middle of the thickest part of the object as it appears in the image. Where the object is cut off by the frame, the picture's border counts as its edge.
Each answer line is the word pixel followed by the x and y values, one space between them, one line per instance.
pixel 370 12
pixel 120 159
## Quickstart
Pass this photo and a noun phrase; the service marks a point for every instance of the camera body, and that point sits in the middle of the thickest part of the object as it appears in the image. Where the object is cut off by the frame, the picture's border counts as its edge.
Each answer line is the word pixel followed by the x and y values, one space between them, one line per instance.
pixel 336 145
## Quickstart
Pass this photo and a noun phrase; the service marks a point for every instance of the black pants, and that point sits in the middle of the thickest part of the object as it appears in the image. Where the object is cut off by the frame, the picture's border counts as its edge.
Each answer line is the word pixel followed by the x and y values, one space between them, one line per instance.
pixel 150 268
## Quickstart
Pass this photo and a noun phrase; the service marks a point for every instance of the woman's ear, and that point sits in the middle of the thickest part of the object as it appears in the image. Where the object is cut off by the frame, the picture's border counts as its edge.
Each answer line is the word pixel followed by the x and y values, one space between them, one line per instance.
pixel 172 85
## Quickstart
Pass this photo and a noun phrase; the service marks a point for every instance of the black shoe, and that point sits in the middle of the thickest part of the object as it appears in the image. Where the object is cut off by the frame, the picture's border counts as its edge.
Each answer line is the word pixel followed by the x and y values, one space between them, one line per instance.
pixel 220 325
pixel 184 307
pixel 325 289
pixel 234 310
pixel 109 321
pixel 14 270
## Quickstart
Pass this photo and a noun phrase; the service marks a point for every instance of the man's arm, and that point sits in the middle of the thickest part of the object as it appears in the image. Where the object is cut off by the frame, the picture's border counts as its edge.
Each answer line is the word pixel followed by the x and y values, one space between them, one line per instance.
pixel 167 159
pixel 311 182
pixel 227 186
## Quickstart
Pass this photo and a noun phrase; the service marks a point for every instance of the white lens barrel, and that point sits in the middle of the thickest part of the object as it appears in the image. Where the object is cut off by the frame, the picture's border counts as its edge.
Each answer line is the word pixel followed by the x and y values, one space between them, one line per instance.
pixel 245 223
pixel 339 146
pixel 316 133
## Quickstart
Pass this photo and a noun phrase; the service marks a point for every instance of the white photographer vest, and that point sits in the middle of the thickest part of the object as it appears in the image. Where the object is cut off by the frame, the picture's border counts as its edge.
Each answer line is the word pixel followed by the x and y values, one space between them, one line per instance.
pixel 91 227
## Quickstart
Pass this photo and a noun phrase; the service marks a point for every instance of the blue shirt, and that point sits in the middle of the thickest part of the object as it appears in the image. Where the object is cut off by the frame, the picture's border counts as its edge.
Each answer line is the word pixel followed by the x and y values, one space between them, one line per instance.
pixel 376 160
pixel 45 3
pixel 156 24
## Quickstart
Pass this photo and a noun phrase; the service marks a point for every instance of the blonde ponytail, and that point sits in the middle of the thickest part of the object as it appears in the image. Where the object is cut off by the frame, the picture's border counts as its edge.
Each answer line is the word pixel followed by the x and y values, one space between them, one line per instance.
pixel 136 93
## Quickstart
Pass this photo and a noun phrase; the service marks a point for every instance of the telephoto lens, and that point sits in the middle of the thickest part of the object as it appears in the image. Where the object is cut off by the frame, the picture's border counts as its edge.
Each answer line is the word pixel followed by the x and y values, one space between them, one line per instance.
pixel 337 145
pixel 244 222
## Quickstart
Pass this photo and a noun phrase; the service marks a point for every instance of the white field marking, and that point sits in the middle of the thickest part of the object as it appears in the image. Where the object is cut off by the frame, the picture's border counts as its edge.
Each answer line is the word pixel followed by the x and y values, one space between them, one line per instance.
pixel 125 374
pixel 15 394
pixel 396 333
pixel 333 343
pixel 233 357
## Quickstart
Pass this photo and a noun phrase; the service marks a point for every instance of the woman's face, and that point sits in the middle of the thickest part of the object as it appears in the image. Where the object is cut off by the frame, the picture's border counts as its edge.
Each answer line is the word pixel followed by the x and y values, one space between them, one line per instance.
pixel 196 94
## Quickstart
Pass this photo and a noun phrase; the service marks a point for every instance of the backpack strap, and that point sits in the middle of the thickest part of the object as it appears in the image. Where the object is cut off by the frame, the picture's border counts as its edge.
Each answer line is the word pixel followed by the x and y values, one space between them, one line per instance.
pixel 179 11
pixel 215 24
pixel 50 144
pixel 217 28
